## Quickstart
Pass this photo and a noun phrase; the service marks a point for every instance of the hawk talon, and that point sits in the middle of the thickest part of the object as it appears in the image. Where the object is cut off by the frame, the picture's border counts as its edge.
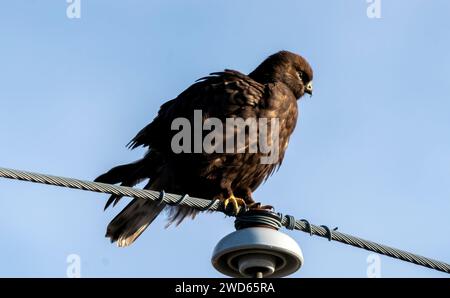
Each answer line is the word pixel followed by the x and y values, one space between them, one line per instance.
pixel 237 204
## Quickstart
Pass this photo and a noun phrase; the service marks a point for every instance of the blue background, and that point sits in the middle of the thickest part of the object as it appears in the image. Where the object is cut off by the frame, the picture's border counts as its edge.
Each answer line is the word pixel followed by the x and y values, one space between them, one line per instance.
pixel 370 153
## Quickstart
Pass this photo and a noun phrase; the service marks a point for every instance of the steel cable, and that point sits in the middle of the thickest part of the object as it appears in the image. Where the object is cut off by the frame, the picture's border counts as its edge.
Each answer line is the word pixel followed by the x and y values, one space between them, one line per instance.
pixel 287 221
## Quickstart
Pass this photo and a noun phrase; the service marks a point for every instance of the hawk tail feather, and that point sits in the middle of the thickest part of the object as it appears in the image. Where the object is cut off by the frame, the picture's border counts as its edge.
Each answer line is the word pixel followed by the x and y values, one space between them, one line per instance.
pixel 129 224
pixel 132 221
pixel 128 175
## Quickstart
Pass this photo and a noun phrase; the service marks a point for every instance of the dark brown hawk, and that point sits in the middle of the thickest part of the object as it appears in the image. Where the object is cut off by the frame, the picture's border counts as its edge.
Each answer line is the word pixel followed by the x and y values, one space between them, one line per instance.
pixel 270 91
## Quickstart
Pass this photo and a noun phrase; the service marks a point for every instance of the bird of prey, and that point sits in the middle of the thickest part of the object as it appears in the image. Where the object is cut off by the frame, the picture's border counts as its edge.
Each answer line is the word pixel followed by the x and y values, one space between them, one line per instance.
pixel 270 91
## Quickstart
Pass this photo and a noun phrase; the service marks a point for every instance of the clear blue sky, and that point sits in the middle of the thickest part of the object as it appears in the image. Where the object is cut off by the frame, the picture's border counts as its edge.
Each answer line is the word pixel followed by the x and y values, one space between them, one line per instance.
pixel 371 152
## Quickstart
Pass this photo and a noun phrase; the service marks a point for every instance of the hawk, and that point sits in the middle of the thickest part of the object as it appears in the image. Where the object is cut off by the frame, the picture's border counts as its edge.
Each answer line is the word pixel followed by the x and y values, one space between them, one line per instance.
pixel 269 92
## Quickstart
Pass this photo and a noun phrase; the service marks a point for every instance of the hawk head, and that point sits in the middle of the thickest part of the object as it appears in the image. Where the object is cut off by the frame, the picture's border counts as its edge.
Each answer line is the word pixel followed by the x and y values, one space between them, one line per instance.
pixel 288 68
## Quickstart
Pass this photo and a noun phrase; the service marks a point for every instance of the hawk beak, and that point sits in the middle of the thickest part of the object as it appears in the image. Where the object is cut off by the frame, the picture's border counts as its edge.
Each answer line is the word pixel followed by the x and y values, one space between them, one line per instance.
pixel 309 88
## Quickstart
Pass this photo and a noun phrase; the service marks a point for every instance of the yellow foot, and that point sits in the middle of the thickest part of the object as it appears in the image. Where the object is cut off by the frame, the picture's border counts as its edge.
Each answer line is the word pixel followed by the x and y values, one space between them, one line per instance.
pixel 234 205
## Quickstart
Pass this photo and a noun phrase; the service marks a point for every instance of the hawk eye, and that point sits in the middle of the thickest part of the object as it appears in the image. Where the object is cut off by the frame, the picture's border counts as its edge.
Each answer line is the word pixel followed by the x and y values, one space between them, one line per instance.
pixel 300 74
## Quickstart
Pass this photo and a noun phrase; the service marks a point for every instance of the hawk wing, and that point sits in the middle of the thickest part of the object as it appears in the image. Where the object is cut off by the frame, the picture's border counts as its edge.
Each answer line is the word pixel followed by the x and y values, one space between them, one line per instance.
pixel 226 94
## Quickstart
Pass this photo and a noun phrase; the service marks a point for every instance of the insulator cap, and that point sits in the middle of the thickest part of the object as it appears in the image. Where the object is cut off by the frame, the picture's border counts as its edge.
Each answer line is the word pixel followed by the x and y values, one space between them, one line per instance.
pixel 249 251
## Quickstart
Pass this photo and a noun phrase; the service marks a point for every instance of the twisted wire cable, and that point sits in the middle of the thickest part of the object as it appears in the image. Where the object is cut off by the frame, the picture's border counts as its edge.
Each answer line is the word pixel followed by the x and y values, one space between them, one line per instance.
pixel 325 232
pixel 287 221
